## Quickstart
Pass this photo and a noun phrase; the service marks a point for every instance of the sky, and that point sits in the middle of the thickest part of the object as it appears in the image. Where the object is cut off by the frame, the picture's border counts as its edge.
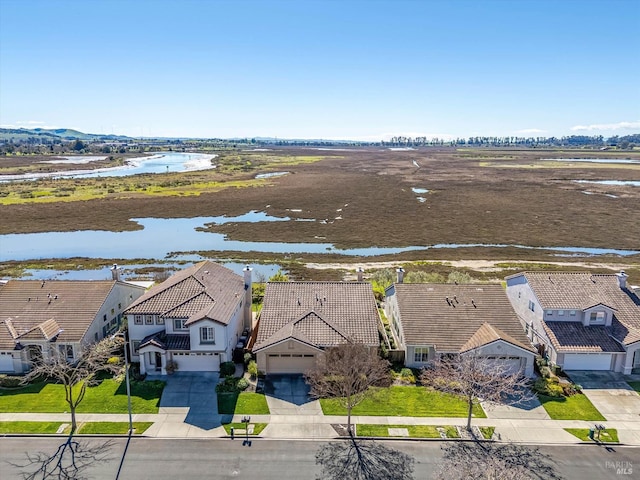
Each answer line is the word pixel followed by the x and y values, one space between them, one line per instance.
pixel 364 70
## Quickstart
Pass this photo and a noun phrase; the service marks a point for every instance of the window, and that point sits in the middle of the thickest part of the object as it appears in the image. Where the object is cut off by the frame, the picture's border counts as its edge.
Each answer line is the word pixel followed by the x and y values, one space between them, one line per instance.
pixel 104 317
pixel 119 306
pixel 207 335
pixel 178 324
pixel 532 306
pixel 561 313
pixel 421 354
pixel 137 319
pixel 549 312
pixel 148 319
pixel 597 318
pixel 160 320
pixel 66 351
pixel 572 313
pixel 113 311
pixel 136 346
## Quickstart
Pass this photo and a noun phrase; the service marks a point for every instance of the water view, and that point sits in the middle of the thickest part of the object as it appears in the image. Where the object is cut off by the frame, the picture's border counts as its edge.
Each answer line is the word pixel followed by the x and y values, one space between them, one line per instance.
pixel 621 183
pixel 594 160
pixel 164 162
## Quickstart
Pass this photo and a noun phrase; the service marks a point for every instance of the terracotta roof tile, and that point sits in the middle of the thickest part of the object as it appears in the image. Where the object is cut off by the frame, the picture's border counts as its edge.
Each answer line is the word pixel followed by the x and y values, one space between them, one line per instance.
pixel 428 318
pixel 318 313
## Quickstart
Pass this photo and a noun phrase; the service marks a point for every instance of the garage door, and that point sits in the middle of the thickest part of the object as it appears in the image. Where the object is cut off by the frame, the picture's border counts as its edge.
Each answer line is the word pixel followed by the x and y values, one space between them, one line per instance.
pixel 197 362
pixel 508 365
pixel 6 362
pixel 289 363
pixel 587 361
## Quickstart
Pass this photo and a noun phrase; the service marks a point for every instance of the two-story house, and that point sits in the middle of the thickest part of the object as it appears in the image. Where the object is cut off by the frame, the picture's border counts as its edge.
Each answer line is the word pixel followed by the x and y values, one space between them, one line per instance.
pixel 38 317
pixel 581 321
pixel 193 319
pixel 430 320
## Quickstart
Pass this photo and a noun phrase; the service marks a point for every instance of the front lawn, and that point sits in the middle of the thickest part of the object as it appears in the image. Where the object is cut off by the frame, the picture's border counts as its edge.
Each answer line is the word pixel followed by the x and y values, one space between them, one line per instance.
pixel 575 407
pixel 244 403
pixel 405 402
pixel 109 396
pixel 114 428
pixel 415 431
pixel 635 386
pixel 608 435
pixel 29 427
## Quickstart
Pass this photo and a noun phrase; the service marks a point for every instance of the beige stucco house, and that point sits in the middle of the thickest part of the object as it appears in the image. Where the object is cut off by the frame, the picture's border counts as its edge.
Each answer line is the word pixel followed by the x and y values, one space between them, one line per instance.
pixel 38 317
pixel 429 320
pixel 581 320
pixel 300 319
pixel 194 318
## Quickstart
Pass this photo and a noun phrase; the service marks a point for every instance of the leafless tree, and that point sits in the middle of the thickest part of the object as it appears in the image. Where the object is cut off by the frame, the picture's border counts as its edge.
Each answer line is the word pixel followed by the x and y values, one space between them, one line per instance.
pixel 363 460
pixel 492 461
pixel 77 376
pixel 346 372
pixel 70 461
pixel 477 379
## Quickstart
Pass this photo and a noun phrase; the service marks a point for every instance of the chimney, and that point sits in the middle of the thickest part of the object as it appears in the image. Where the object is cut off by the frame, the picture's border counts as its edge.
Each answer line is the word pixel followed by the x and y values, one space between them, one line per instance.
pixel 622 279
pixel 400 272
pixel 115 272
pixel 360 273
pixel 248 298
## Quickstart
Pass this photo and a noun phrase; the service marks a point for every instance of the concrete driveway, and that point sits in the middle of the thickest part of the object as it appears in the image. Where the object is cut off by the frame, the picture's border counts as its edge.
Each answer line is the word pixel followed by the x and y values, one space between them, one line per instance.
pixel 189 403
pixel 609 393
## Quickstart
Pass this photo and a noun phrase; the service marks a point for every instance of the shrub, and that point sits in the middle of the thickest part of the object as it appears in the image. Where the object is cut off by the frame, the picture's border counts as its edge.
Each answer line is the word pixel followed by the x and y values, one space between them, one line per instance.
pixel 227 368
pixel 253 369
pixel 114 360
pixel 242 384
pixel 549 387
pixel 247 358
pixel 545 372
pixel 7 381
pixel 407 375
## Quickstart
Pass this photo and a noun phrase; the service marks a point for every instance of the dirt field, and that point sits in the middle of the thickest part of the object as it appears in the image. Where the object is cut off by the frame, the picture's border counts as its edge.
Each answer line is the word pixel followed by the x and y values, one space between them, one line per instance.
pixel 364 198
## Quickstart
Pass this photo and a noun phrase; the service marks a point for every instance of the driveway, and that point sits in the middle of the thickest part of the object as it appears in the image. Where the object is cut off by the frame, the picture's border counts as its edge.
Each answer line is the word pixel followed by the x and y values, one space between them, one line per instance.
pixel 189 399
pixel 609 393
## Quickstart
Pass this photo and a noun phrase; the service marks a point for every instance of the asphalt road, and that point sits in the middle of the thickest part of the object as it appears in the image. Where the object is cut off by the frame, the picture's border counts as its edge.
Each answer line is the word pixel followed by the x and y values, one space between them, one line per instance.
pixel 279 459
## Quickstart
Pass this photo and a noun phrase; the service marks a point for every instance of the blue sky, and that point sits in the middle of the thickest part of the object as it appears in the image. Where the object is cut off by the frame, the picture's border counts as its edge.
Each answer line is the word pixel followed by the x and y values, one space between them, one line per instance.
pixel 322 69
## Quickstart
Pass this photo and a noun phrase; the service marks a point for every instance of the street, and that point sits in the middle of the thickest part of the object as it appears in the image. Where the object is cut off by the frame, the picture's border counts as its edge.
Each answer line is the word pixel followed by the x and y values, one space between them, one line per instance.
pixel 277 459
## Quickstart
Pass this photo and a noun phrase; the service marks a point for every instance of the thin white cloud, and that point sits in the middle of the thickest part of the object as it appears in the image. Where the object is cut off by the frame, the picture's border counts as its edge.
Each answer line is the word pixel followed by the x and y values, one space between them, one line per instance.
pixel 526 131
pixel 606 126
pixel 29 124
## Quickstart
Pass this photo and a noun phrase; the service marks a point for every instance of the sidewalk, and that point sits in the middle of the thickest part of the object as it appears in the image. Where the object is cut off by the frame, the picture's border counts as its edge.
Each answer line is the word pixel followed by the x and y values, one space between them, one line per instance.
pixel 175 424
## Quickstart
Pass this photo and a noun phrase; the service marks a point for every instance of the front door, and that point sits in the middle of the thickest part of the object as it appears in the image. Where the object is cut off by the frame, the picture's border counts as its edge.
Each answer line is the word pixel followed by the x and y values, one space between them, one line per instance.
pixel 158 361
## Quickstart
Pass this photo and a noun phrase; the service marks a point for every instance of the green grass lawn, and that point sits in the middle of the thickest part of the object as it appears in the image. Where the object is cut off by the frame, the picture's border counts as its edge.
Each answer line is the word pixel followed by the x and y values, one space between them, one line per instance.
pixel 415 431
pixel 405 402
pixel 108 397
pixel 635 386
pixel 608 435
pixel 29 427
pixel 576 407
pixel 245 403
pixel 257 428
pixel 112 427
pixel 487 432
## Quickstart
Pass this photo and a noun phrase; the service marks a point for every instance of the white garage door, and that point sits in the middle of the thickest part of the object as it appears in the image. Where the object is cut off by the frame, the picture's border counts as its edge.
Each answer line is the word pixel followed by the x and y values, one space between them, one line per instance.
pixel 587 361
pixel 289 363
pixel 197 362
pixel 6 362
pixel 509 364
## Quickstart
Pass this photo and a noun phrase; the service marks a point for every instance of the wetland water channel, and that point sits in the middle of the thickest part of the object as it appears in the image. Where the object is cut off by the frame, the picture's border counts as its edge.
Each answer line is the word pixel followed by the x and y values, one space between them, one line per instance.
pixel 178 238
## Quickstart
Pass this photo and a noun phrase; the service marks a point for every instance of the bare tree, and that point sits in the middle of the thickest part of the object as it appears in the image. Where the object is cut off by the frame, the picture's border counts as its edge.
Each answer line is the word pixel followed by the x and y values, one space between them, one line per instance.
pixel 477 379
pixel 363 460
pixel 70 461
pixel 492 461
pixel 77 376
pixel 346 372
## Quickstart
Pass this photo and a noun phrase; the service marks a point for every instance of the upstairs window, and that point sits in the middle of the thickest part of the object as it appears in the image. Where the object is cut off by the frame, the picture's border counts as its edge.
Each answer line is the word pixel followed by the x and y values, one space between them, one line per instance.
pixel 148 319
pixel 137 319
pixel 207 335
pixel 532 306
pixel 178 324
pixel 597 318
pixel 160 320
pixel 66 351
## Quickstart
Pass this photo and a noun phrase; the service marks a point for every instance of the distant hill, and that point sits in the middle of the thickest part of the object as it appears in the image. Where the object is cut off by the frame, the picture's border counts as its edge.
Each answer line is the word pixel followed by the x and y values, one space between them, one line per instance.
pixel 51 133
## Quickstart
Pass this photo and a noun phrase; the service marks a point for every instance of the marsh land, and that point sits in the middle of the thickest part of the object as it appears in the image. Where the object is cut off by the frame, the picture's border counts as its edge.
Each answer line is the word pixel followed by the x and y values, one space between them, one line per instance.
pixel 492 201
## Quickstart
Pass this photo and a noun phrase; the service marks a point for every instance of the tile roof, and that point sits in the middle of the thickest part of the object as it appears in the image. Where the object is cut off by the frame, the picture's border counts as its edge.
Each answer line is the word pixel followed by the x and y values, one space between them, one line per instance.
pixel 428 318
pixel 37 310
pixel 167 341
pixel 574 337
pixel 581 290
pixel 204 290
pixel 320 314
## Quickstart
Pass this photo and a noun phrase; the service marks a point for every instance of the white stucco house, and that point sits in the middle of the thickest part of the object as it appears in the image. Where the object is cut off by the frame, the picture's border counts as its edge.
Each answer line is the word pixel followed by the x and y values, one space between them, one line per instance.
pixel 579 320
pixel 38 317
pixel 194 318
pixel 299 320
pixel 431 320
